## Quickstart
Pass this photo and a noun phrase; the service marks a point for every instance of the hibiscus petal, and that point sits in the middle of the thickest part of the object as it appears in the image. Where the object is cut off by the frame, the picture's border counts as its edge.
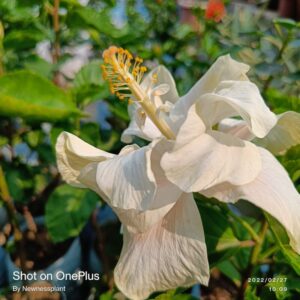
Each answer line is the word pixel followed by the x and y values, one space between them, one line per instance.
pixel 127 180
pixel 170 254
pixel 149 131
pixel 136 221
pixel 164 79
pixel 237 128
pixel 237 98
pixel 200 160
pixel 73 154
pixel 161 89
pixel 133 180
pixel 225 68
pixel 273 191
pixel 284 135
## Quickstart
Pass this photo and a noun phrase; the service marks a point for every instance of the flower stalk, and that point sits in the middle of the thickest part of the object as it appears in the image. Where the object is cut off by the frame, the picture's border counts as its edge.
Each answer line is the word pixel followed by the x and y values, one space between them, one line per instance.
pixel 56 28
pixel 253 258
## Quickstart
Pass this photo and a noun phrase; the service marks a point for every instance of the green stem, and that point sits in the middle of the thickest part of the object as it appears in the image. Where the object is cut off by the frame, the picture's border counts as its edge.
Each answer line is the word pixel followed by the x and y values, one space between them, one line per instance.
pixel 269 252
pixel 253 259
pixel 257 247
pixel 247 226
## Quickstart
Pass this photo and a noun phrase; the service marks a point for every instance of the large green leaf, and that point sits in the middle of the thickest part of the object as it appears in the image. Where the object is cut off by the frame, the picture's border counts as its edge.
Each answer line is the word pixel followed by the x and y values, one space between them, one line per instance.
pixel 281 238
pixel 30 96
pixel 67 211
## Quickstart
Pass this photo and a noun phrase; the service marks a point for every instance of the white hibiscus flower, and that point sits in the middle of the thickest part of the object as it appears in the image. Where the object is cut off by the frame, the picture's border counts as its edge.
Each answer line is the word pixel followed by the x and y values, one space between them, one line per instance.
pixel 150 188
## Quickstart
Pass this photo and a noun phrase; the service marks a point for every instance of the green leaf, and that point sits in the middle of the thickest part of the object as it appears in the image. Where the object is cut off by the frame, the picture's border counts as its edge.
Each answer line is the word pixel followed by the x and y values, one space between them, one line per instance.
pixel 30 96
pixel 19 183
pixel 107 296
pixel 266 69
pixel 3 141
pixel 119 109
pixel 33 138
pixel 286 23
pixel 218 232
pixel 250 293
pixel 22 39
pixel 281 102
pixel 182 31
pixel 171 295
pixel 89 74
pixel 67 211
pixel 89 84
pixel 219 236
pixel 90 132
pixel 39 66
pixel 100 21
pixel 282 239
pixel 227 268
pixel 279 287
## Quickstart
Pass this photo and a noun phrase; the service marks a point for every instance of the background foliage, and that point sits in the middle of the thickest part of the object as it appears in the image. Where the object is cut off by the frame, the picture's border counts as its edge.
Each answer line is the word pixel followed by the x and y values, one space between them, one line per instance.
pixel 50 80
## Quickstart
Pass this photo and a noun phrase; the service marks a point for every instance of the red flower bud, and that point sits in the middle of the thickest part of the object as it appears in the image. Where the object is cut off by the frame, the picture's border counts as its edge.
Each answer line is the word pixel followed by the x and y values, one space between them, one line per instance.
pixel 215 10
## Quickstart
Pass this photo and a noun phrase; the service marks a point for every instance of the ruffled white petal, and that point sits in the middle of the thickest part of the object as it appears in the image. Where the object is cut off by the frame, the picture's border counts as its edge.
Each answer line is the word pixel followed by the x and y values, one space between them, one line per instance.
pixel 170 254
pixel 135 221
pixel 164 79
pixel 225 68
pixel 199 160
pixel 73 154
pixel 237 128
pixel 284 135
pixel 127 180
pixel 237 98
pixel 133 180
pixel 273 191
pixel 166 92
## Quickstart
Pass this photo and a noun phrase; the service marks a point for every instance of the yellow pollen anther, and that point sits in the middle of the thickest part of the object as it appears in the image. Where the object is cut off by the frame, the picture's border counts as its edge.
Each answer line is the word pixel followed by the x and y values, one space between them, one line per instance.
pixel 124 74
pixel 154 77
pixel 120 72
